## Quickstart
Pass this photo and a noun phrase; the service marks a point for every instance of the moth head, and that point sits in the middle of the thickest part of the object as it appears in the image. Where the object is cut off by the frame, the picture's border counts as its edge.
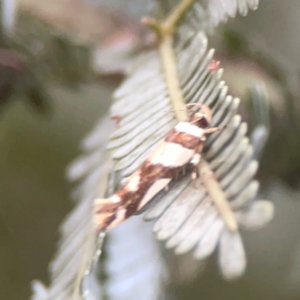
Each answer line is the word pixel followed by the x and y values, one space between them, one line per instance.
pixel 202 118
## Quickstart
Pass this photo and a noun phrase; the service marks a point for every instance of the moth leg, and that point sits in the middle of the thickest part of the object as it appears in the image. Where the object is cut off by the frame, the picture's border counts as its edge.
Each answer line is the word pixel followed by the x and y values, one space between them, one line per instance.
pixel 194 175
pixel 184 170
pixel 176 175
pixel 212 130
pixel 195 161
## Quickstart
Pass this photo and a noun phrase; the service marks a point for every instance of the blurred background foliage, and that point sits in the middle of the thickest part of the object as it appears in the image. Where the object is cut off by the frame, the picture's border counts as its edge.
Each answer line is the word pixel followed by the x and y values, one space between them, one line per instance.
pixel 59 68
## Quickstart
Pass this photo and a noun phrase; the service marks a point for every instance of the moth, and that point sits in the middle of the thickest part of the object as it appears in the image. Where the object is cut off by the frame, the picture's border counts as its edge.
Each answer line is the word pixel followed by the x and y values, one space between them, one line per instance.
pixel 182 146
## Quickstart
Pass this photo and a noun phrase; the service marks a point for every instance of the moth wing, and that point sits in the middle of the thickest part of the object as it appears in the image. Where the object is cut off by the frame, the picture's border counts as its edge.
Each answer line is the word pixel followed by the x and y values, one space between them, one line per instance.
pixel 156 187
pixel 171 155
pixel 158 151
pixel 107 214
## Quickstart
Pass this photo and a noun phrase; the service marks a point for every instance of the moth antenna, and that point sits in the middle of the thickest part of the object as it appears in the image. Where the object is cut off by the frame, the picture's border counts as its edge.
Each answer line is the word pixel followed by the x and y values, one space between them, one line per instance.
pixel 204 108
pixel 207 112
pixel 213 129
pixel 194 104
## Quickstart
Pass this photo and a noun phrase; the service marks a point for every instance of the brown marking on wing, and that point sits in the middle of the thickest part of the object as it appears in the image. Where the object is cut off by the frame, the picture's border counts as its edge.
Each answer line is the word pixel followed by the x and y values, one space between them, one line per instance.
pixel 107 212
pixel 104 213
pixel 186 140
pixel 149 175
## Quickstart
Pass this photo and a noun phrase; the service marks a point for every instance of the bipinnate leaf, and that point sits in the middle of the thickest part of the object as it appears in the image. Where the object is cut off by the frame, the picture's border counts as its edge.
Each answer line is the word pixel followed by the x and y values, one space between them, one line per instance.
pixel 190 215
pixel 186 213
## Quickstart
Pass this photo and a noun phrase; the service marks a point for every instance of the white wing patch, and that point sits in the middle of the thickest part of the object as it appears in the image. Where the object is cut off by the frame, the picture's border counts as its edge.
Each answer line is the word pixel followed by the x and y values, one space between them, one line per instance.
pixel 153 190
pixel 172 155
pixel 190 129
pixel 115 198
pixel 133 182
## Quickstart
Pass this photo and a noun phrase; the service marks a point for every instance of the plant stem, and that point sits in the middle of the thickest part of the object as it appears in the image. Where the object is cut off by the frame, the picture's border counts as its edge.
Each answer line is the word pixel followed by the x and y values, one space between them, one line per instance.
pixel 217 195
pixel 171 21
pixel 170 69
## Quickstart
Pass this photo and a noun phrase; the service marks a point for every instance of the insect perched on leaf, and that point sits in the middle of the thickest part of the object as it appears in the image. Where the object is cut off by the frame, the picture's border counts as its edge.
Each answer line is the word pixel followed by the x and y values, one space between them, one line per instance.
pixel 182 146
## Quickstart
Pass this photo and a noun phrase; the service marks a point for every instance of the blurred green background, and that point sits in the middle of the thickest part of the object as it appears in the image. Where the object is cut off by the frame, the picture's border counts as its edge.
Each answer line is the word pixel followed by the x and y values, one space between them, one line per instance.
pixel 35 194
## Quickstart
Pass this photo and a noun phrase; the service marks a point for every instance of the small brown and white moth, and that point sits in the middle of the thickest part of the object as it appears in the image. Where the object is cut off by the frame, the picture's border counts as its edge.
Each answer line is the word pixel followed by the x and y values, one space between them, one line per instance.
pixel 182 146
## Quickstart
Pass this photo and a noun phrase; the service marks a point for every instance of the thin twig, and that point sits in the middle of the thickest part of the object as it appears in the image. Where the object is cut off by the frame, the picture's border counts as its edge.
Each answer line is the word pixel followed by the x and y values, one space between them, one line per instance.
pixel 84 290
pixel 171 21
pixel 164 31
pixel 170 69
pixel 96 239
pixel 217 195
